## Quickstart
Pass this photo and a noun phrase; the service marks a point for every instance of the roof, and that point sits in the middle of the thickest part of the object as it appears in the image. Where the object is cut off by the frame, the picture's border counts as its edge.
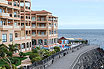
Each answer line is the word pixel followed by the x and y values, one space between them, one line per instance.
pixel 38 12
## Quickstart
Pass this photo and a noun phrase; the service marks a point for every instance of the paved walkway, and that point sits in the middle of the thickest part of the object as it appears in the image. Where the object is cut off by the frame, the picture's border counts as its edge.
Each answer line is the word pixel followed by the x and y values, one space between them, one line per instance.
pixel 68 60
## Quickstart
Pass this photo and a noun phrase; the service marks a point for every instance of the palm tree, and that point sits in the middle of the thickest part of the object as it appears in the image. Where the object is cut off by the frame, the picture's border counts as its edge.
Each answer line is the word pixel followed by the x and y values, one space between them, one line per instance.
pixel 3 54
pixel 13 47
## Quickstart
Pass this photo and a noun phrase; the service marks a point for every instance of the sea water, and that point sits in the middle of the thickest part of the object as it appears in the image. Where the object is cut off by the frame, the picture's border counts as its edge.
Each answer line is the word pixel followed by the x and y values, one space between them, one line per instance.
pixel 94 36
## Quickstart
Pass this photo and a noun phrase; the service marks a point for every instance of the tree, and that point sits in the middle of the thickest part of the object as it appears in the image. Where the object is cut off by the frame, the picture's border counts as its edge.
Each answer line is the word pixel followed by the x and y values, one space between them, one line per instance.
pixel 57 49
pixel 3 55
pixel 13 47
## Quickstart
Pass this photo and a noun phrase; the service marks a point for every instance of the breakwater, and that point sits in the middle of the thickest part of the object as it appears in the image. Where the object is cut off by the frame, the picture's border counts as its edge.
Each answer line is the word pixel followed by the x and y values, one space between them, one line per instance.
pixel 93 59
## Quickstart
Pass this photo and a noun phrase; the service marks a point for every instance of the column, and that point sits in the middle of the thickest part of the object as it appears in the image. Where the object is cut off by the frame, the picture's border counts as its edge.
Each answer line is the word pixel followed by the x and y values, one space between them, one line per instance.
pixel 37 42
pixel 43 42
pixel 25 46
pixel 20 47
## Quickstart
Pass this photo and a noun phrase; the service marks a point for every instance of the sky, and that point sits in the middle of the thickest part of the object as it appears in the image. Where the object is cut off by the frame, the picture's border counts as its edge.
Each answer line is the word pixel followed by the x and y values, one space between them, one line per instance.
pixel 74 14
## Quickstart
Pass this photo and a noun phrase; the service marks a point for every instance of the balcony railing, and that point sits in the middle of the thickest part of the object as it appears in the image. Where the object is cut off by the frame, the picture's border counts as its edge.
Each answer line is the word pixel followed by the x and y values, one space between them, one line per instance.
pixel 33 34
pixel 33 26
pixel 13 4
pixel 6 26
pixel 18 38
pixel 4 14
pixel 42 35
pixel 22 37
pixel 18 27
pixel 41 26
pixel 28 26
pixel 4 1
pixel 28 37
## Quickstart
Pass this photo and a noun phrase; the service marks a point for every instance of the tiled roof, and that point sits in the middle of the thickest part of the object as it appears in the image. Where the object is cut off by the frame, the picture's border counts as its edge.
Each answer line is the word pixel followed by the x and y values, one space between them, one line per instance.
pixel 38 12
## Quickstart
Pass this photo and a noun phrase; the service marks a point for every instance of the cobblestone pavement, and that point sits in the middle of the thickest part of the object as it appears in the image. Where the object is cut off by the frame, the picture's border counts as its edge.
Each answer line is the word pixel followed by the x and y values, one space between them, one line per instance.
pixel 68 60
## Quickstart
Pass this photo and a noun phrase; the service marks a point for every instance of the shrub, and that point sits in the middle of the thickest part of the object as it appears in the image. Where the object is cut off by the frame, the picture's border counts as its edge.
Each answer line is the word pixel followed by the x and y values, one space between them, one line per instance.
pixel 35 51
pixel 57 49
pixel 8 67
pixel 2 67
pixel 53 52
pixel 33 55
pixel 22 54
pixel 36 59
pixel 15 61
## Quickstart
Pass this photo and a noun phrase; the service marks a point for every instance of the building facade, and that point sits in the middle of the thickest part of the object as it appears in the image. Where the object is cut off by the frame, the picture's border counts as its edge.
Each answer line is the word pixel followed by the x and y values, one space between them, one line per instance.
pixel 44 28
pixel 14 27
pixel 20 25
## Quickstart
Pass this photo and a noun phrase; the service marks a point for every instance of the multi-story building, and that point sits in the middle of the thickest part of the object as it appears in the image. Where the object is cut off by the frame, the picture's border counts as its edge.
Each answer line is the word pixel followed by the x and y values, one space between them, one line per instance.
pixel 44 28
pixel 18 24
pixel 14 27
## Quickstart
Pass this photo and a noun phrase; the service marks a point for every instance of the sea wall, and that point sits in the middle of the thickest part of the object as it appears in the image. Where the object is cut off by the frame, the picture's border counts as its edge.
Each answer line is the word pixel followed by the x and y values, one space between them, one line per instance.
pixel 93 59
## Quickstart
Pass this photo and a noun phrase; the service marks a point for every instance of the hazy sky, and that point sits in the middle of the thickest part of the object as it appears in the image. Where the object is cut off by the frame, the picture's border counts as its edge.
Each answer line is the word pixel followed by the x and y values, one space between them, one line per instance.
pixel 74 14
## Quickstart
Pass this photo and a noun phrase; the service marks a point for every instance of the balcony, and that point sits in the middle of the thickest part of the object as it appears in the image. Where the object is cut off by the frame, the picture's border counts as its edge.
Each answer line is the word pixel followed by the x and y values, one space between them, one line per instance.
pixel 3 2
pixel 28 37
pixel 33 35
pixel 42 27
pixel 17 27
pixel 55 34
pixel 13 5
pixel 28 27
pixel 42 35
pixel 18 38
pixel 50 35
pixel 50 27
pixel 33 26
pixel 6 27
pixel 22 38
pixel 4 15
pixel 15 17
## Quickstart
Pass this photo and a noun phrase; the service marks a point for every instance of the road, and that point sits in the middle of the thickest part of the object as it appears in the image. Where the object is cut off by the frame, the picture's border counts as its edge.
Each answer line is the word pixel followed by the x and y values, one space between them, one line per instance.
pixel 67 61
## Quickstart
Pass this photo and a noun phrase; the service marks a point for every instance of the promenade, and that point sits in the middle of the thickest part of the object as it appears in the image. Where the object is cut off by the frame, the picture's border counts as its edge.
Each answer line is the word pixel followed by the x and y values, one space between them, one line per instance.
pixel 70 59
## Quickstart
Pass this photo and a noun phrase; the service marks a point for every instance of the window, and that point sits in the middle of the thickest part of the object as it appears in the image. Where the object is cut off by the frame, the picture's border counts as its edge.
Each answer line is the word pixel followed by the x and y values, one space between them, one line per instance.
pixel 38 18
pixel 1 23
pixel 33 18
pixel 45 41
pixel 14 3
pixel 42 18
pixel 42 25
pixel 39 33
pixel 15 14
pixel 4 37
pixel 15 24
pixel 16 34
pixel 0 10
pixel 33 33
pixel 33 25
pixel 26 32
pixel 42 33
pixel 11 37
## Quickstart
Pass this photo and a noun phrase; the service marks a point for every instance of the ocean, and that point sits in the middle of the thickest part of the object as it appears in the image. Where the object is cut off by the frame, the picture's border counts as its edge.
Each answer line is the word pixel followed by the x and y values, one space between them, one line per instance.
pixel 94 36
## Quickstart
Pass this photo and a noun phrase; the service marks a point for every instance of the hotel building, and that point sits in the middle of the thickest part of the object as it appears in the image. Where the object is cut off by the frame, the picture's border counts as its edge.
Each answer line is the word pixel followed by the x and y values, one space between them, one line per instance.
pixel 14 27
pixel 44 28
pixel 18 24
